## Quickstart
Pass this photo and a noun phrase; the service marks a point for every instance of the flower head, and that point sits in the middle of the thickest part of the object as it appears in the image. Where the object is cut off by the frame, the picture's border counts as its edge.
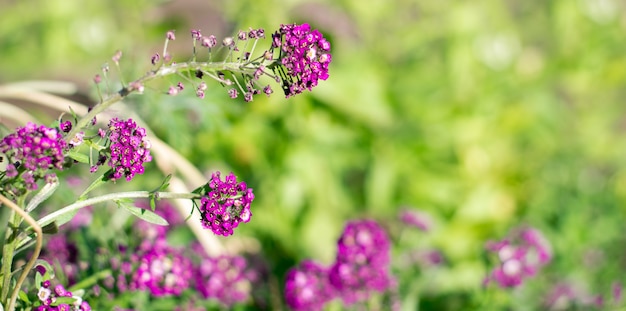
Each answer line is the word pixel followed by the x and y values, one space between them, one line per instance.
pixel 130 148
pixel 225 278
pixel 520 257
pixel 163 271
pixel 48 300
pixel 31 151
pixel 226 204
pixel 304 54
pixel 307 287
pixel 362 263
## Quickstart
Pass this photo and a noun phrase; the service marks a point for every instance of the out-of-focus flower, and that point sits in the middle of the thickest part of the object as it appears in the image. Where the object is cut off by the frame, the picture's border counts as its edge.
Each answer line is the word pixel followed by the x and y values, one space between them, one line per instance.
pixel 163 271
pixel 520 257
pixel 307 287
pixel 30 152
pixel 225 278
pixel 362 263
pixel 416 218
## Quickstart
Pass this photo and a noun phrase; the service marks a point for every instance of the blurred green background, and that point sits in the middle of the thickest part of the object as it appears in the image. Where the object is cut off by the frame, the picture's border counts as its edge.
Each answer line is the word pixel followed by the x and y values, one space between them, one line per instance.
pixel 486 114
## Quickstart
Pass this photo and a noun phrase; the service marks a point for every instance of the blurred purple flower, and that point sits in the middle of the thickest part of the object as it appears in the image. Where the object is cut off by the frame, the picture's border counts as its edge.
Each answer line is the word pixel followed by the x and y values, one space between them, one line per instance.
pixel 163 271
pixel 520 257
pixel 307 287
pixel 362 262
pixel 31 151
pixel 416 218
pixel 225 278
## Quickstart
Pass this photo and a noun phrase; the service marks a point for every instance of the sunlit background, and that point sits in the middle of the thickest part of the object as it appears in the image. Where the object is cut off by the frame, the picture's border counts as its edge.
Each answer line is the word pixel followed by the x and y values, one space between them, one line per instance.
pixel 488 115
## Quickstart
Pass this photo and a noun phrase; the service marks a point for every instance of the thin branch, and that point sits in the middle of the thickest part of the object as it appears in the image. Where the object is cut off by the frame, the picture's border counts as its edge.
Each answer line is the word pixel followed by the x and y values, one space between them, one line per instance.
pixel 31 262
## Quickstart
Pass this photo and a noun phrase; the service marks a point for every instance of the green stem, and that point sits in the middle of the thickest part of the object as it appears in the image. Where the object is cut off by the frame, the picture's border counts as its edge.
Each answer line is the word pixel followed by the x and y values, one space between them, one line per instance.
pixel 162 71
pixel 48 219
pixel 8 251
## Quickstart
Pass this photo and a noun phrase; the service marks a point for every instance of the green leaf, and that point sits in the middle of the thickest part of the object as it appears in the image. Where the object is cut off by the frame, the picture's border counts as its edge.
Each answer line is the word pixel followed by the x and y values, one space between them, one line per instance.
pixel 24 297
pixel 41 196
pixel 82 158
pixel 63 300
pixel 144 214
pixel 95 184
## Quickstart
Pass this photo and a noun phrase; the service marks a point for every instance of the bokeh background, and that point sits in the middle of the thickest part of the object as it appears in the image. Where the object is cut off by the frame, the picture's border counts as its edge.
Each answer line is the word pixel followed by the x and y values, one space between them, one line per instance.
pixel 487 115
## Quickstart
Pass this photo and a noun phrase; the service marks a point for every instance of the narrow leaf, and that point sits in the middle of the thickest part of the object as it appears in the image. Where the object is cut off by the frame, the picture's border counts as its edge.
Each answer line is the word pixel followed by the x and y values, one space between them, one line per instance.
pixel 145 214
pixel 95 184
pixel 82 158
pixel 41 196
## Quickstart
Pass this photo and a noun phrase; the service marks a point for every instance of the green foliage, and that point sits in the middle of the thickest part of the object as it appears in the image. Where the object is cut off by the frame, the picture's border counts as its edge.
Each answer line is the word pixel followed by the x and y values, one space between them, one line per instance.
pixel 486 114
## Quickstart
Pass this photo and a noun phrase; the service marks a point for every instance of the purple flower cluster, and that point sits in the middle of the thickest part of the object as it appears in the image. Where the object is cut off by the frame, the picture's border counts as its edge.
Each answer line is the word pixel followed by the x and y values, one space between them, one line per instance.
pixel 307 287
pixel 361 268
pixel 31 151
pixel 130 148
pixel 156 267
pixel 305 54
pixel 416 219
pixel 520 257
pixel 225 205
pixel 226 278
pixel 362 263
pixel 162 270
pixel 48 299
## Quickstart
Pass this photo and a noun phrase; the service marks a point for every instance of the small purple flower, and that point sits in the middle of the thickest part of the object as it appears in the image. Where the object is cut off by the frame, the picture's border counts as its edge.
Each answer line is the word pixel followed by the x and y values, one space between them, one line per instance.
pixel 130 148
pixel 305 54
pixel 155 58
pixel 232 93
pixel 228 279
pixel 416 218
pixel 65 126
pixel 163 271
pixel 117 57
pixel 48 298
pixel 307 287
pixel 362 263
pixel 170 35
pixel 33 150
pixel 226 204
pixel 520 257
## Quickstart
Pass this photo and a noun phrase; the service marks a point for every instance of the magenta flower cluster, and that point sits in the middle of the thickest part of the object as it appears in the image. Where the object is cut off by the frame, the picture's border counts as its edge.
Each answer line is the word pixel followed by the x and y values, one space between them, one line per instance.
pixel 32 151
pixel 156 267
pixel 520 257
pixel 226 278
pixel 360 269
pixel 226 204
pixel 130 148
pixel 305 54
pixel 362 263
pixel 307 287
pixel 162 270
pixel 48 299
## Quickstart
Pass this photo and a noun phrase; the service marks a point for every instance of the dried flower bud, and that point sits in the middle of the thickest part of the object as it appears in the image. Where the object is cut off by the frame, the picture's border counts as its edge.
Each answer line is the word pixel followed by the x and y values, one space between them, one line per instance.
pixel 228 41
pixel 97 79
pixel 202 86
pixel 170 35
pixel 155 58
pixel 195 34
pixel 116 57
pixel 242 35
pixel 172 91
